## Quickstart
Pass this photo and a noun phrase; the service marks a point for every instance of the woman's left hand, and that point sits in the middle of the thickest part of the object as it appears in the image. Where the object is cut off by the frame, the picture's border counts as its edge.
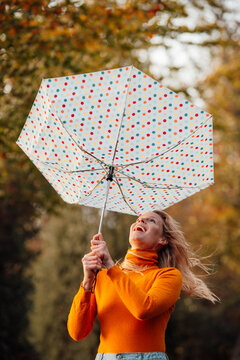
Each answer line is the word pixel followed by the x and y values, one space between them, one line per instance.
pixel 99 246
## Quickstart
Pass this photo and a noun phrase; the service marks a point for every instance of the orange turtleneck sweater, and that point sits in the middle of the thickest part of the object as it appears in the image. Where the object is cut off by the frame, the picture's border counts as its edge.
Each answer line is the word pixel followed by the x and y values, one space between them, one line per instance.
pixel 133 309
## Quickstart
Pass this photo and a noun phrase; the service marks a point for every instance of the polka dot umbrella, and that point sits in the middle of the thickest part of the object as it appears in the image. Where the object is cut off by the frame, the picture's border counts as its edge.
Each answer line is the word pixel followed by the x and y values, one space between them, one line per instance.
pixel 152 146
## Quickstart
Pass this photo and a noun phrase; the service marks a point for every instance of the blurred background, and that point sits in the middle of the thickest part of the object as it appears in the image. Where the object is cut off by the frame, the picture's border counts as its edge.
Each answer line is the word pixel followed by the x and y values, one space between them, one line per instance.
pixel 189 46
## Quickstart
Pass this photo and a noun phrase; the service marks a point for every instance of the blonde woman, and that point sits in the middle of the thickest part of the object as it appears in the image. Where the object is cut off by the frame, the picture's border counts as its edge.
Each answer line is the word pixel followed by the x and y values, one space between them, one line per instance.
pixel 134 299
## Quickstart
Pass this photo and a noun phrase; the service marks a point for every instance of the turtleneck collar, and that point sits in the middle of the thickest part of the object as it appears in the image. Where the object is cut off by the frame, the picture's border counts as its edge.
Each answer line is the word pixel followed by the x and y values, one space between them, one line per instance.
pixel 142 257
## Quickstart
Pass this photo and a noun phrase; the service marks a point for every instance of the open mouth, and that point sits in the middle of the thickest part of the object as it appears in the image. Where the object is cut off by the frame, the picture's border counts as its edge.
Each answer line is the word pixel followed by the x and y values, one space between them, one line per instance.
pixel 140 228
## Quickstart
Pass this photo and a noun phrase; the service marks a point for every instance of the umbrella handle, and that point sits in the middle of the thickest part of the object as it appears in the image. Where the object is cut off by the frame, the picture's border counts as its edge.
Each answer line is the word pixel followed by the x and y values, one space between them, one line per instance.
pixel 109 179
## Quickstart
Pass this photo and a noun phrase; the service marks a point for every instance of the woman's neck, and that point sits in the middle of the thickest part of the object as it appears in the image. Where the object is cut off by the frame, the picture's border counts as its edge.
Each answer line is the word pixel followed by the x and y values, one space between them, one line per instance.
pixel 142 257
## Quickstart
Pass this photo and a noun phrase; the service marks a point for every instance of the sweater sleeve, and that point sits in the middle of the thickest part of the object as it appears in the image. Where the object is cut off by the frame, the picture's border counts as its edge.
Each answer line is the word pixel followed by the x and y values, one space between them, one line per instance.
pixel 82 314
pixel 145 305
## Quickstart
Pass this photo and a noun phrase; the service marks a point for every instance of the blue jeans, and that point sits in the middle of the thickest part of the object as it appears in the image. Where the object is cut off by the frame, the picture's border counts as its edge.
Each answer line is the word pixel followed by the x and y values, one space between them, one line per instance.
pixel 133 356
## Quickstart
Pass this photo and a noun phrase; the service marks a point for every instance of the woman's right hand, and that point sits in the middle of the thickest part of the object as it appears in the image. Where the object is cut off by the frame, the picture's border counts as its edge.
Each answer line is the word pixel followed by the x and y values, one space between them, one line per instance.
pixel 91 263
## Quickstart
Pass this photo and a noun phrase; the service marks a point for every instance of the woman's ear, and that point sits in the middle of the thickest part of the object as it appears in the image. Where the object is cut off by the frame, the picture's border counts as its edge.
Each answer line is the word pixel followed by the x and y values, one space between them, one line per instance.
pixel 163 241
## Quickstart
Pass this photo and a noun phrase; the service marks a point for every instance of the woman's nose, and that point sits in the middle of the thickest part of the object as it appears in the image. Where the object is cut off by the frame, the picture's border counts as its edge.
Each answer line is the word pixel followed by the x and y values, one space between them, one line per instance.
pixel 141 220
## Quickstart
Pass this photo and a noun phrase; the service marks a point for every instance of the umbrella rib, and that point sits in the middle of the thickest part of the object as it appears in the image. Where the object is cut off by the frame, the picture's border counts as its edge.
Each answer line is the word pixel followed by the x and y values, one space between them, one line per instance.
pixel 96 186
pixel 156 187
pixel 83 150
pixel 116 144
pixel 68 171
pixel 155 157
pixel 119 186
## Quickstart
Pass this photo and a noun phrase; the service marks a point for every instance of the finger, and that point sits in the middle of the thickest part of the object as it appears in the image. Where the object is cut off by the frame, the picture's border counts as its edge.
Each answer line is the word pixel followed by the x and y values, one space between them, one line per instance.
pixel 92 264
pixel 88 263
pixel 97 247
pixel 99 254
pixel 97 242
pixel 94 256
pixel 98 237
pixel 90 256
pixel 98 250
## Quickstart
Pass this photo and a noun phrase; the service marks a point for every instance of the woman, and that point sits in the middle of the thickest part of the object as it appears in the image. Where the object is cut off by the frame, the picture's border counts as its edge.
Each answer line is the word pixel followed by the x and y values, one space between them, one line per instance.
pixel 134 299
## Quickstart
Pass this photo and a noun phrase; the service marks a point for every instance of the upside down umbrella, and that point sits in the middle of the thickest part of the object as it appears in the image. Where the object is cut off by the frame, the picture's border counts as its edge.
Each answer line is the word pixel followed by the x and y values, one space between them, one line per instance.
pixel 152 146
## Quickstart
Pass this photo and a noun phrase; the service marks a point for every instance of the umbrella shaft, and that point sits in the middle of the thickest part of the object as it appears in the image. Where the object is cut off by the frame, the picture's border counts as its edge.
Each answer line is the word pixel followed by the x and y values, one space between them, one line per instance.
pixel 104 206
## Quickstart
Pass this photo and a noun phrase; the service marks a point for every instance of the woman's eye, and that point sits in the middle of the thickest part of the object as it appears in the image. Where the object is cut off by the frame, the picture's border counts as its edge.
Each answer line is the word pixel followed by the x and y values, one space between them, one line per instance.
pixel 153 220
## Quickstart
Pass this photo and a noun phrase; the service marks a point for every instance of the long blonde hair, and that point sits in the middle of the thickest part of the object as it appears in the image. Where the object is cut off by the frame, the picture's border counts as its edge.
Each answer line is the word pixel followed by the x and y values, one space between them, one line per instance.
pixel 177 253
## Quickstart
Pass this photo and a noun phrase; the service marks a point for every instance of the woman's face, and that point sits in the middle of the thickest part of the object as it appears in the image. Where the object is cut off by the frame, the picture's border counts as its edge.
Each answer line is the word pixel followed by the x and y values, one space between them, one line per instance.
pixel 146 232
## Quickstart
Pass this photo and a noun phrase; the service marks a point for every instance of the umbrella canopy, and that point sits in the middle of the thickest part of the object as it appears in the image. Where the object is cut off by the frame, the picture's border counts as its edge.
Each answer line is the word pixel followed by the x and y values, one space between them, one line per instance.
pixel 157 146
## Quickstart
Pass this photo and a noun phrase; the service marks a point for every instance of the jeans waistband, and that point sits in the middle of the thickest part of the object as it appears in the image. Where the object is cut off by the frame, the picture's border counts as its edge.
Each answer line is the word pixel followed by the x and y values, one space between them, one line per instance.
pixel 132 356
